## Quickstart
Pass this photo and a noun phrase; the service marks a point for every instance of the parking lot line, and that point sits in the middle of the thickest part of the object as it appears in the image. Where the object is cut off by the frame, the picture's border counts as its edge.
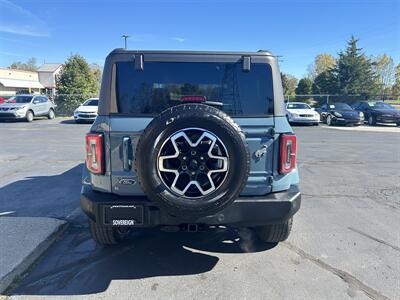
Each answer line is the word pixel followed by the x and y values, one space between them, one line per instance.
pixel 365 128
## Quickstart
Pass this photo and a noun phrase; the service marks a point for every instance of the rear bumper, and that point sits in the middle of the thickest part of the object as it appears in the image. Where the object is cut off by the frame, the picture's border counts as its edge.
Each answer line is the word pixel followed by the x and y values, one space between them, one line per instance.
pixel 245 211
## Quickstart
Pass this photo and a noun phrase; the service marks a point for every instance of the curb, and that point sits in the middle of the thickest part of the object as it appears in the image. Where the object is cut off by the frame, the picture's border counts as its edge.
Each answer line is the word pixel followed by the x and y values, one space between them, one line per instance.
pixel 9 280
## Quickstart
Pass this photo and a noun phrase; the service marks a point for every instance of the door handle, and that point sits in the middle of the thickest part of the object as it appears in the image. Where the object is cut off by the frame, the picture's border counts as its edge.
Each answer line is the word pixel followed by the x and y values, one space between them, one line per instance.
pixel 126 153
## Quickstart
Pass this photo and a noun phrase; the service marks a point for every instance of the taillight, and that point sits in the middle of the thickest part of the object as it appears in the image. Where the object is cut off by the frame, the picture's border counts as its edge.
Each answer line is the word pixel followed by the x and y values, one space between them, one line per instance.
pixel 288 150
pixel 94 153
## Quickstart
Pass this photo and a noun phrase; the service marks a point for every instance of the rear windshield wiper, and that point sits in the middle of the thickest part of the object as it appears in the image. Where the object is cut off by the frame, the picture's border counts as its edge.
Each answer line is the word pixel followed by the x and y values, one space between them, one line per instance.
pixel 214 103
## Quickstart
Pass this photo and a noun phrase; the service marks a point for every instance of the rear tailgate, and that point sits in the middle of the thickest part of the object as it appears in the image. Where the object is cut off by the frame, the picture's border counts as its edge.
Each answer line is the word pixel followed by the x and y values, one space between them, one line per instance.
pixel 123 143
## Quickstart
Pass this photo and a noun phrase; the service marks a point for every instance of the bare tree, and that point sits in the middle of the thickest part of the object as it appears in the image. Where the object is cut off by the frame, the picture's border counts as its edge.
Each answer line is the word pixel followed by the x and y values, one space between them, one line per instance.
pixel 384 68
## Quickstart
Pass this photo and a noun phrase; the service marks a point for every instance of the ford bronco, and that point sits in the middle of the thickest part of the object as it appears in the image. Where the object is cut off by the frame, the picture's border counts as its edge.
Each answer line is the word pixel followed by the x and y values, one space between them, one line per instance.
pixel 186 139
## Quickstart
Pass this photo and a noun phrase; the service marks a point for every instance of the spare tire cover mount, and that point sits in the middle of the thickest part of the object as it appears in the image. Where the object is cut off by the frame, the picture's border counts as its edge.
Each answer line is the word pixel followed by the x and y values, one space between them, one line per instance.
pixel 192 160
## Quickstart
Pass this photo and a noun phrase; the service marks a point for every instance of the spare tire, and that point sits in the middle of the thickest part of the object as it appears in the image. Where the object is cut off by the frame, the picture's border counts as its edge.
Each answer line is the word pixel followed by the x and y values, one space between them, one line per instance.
pixel 192 160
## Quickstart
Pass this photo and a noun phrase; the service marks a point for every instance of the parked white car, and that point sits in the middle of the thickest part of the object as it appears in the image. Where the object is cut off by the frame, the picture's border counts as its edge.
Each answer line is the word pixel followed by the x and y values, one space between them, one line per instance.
pixel 299 112
pixel 87 111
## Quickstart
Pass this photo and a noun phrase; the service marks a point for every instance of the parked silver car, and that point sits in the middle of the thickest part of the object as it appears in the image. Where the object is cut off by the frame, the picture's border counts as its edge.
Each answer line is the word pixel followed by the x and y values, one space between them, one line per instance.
pixel 27 107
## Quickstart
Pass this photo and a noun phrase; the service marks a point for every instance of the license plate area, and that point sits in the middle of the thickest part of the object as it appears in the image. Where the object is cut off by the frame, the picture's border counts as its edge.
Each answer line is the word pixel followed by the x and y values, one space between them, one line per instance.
pixel 123 215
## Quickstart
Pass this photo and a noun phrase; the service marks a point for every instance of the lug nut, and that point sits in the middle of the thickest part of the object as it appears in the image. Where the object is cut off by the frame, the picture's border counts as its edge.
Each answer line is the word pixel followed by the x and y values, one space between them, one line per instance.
pixel 201 168
pixel 184 167
pixel 193 152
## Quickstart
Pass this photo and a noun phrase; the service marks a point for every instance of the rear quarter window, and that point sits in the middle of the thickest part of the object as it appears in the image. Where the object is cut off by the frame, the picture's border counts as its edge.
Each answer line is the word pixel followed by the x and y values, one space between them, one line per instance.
pixel 161 85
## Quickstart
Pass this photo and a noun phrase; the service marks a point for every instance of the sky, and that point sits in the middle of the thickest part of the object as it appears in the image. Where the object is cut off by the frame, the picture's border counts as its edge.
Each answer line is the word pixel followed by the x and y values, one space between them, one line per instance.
pixel 295 30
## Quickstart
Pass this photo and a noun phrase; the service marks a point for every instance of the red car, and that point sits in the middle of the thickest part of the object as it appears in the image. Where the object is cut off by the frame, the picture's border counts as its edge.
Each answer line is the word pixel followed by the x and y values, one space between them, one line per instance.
pixel 2 100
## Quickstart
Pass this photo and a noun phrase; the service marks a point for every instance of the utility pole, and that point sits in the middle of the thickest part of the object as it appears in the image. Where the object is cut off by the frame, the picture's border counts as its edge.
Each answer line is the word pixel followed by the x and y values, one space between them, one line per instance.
pixel 125 38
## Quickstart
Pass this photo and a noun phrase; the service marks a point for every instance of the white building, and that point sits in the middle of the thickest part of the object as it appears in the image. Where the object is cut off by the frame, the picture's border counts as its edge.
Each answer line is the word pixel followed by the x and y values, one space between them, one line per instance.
pixel 47 77
pixel 42 81
pixel 19 81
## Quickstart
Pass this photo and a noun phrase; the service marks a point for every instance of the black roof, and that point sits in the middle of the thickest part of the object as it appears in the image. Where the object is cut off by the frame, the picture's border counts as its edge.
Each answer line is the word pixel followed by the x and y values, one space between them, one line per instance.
pixel 249 53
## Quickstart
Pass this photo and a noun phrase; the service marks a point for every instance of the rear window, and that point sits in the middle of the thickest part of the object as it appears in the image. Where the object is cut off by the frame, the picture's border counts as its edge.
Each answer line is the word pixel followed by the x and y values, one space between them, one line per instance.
pixel 164 84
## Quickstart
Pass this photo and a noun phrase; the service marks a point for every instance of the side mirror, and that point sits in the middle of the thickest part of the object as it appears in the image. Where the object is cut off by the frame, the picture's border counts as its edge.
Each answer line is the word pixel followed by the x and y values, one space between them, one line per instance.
pixel 35 101
pixel 312 108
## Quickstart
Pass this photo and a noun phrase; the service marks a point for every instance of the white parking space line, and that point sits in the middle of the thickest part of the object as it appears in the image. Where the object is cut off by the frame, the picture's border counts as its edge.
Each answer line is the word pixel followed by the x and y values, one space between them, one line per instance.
pixel 387 128
pixel 74 214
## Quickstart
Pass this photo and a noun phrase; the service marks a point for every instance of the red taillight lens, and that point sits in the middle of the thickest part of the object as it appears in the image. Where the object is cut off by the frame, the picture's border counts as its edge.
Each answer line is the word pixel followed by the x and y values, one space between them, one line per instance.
pixel 288 150
pixel 94 153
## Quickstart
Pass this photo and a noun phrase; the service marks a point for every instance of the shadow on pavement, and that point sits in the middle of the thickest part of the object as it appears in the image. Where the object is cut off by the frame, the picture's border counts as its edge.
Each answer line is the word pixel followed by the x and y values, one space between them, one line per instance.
pixel 72 121
pixel 77 266
pixel 43 196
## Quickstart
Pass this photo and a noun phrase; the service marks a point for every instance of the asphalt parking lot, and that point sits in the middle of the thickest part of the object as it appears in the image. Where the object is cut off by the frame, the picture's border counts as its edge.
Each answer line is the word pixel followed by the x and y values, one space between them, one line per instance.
pixel 345 243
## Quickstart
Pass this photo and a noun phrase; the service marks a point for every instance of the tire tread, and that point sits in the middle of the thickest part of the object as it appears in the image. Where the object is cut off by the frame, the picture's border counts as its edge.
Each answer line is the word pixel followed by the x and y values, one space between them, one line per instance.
pixel 276 232
pixel 103 235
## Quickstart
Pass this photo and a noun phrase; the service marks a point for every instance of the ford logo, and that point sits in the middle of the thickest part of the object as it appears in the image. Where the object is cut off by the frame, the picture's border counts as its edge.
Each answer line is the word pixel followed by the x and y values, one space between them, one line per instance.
pixel 126 181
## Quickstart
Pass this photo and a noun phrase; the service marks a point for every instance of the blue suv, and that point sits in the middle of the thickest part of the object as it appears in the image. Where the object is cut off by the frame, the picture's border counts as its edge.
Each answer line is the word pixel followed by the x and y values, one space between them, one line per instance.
pixel 187 139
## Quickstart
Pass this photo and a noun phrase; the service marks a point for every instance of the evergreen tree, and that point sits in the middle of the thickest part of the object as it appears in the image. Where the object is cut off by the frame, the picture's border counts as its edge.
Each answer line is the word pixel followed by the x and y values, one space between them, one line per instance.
pixel 325 83
pixel 304 86
pixel 354 72
pixel 76 83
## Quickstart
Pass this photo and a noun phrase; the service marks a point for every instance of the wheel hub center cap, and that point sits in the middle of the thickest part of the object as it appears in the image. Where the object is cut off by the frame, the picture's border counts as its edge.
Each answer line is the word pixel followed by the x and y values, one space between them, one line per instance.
pixel 193 165
pixel 193 162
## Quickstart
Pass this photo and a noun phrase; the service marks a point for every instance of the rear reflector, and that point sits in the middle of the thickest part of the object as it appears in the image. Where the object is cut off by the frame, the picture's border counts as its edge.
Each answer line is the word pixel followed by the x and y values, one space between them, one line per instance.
pixel 288 150
pixel 94 153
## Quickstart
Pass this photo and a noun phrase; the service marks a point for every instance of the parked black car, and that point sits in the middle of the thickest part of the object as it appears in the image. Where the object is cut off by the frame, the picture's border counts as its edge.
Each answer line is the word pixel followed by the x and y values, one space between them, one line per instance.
pixel 378 112
pixel 340 114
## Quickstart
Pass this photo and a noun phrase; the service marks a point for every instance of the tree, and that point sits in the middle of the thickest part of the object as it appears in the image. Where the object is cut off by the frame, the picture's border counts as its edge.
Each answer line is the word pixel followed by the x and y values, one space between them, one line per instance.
pixel 75 84
pixel 325 83
pixel 97 72
pixel 354 71
pixel 289 84
pixel 384 68
pixel 322 62
pixel 30 65
pixel 396 85
pixel 304 86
